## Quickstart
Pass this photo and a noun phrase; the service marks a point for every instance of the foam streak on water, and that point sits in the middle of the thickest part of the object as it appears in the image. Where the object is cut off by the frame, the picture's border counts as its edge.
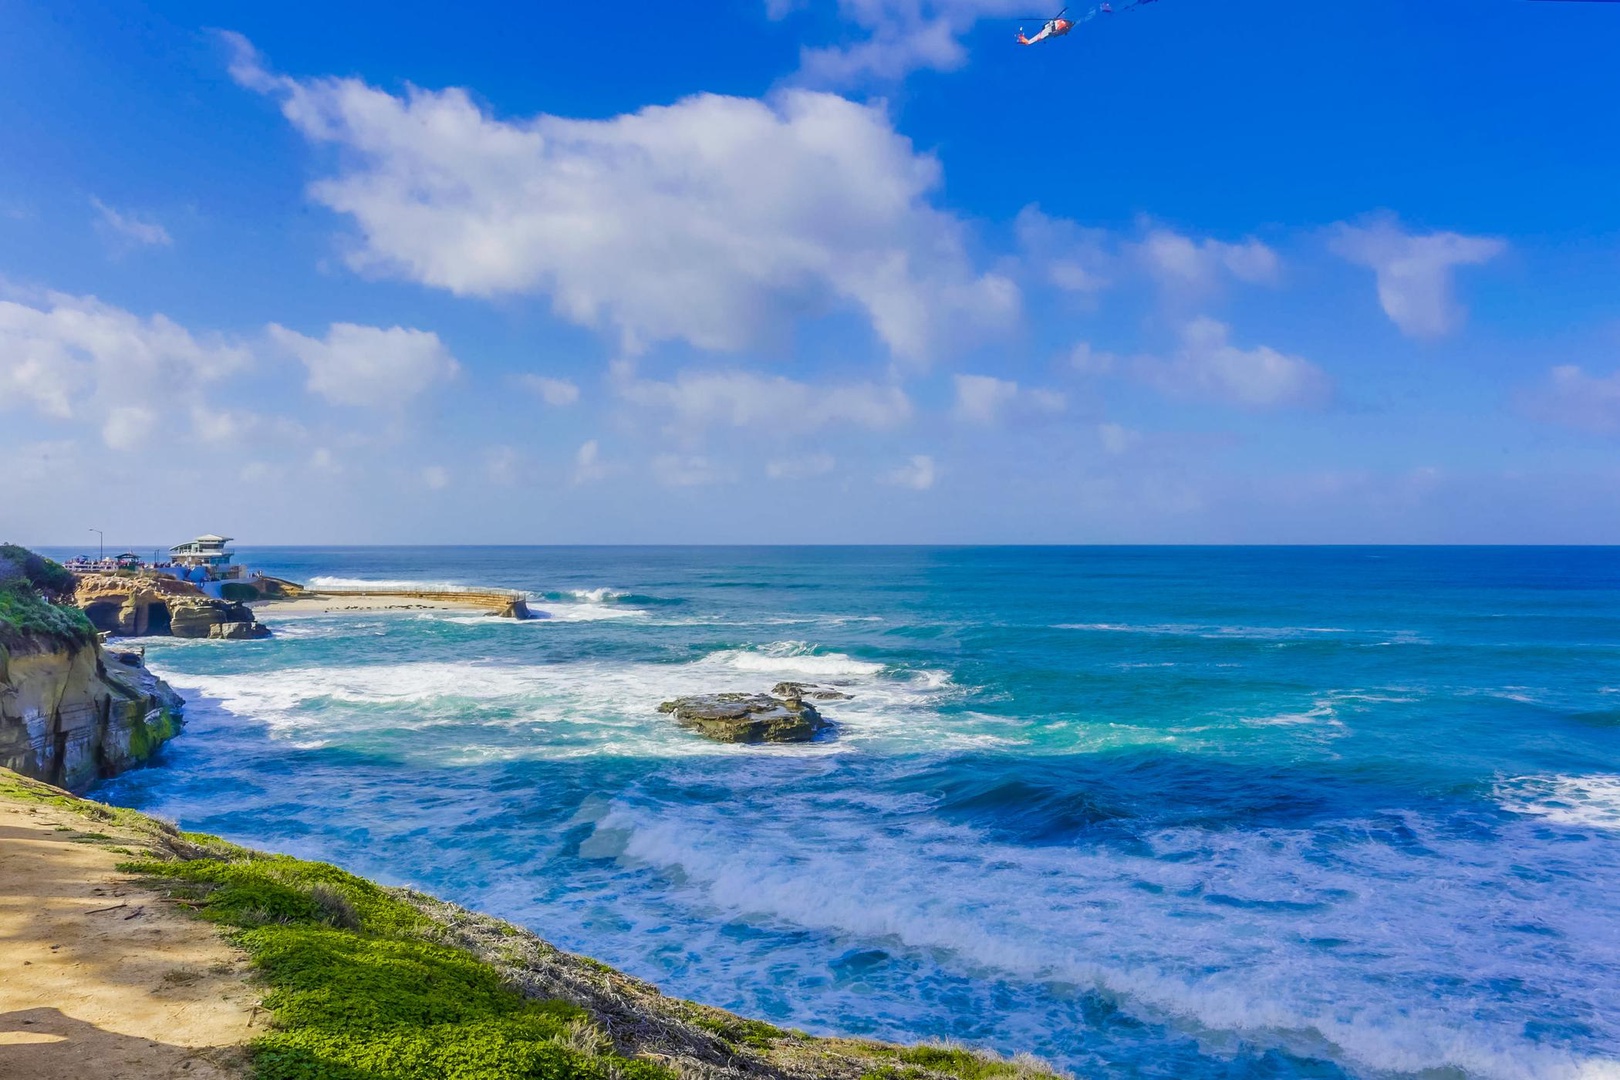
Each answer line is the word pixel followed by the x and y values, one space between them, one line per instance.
pixel 1189 814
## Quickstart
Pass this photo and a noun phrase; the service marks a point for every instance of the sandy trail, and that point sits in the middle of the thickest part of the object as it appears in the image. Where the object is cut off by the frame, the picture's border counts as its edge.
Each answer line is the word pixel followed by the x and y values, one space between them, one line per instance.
pixel 139 991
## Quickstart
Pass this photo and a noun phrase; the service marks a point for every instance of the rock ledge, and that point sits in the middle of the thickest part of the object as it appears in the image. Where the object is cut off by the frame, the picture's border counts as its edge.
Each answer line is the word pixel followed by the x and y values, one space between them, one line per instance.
pixel 748 718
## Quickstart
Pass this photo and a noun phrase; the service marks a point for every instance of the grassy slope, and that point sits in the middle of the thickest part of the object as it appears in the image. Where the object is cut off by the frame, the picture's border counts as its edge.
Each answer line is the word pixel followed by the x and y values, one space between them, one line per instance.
pixel 371 983
pixel 25 614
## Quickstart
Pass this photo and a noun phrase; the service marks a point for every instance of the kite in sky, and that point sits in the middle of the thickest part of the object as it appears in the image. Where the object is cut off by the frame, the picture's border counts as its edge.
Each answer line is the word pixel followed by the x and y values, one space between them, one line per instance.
pixel 1057 26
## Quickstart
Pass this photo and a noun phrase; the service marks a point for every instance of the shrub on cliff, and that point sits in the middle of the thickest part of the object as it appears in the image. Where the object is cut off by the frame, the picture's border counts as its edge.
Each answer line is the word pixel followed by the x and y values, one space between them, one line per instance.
pixel 27 581
pixel 47 575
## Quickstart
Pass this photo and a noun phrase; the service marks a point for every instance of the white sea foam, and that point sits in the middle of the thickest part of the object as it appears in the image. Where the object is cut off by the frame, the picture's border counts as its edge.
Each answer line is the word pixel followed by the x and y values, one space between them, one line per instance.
pixel 501 710
pixel 550 611
pixel 597 596
pixel 371 583
pixel 1271 934
pixel 794 658
pixel 1319 714
pixel 1583 801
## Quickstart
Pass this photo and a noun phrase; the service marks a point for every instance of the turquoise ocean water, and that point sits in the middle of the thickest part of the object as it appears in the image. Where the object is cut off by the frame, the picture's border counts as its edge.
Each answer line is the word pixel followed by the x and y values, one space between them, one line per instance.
pixel 1187 813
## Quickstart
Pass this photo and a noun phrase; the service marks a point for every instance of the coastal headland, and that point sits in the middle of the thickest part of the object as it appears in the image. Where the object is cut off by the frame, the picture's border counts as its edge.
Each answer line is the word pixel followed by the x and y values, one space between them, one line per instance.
pixel 138 950
pixel 71 712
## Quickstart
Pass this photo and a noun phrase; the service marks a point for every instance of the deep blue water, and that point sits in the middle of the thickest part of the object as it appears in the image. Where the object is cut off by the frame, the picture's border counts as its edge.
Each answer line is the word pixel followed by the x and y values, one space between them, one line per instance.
pixel 1147 812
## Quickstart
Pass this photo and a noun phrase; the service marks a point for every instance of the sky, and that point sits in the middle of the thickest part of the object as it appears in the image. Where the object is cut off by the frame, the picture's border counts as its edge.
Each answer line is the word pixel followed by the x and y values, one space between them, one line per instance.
pixel 810 271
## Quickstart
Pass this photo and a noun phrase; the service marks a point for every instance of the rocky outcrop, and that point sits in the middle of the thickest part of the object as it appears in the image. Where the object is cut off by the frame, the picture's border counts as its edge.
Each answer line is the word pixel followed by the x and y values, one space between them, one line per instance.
pixel 72 714
pixel 130 605
pixel 748 718
pixel 201 617
pixel 514 608
pixel 809 692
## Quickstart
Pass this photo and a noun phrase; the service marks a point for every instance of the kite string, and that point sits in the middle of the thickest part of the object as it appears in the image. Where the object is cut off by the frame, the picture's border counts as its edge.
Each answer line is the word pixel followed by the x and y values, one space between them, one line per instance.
pixel 1110 9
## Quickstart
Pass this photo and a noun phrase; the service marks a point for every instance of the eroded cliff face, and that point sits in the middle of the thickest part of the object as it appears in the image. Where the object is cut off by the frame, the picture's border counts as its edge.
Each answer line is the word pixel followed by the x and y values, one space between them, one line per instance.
pixel 72 714
pixel 159 606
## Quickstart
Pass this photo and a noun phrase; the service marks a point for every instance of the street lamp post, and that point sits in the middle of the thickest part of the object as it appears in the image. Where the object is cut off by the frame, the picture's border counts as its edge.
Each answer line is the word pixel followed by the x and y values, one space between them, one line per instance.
pixel 103 536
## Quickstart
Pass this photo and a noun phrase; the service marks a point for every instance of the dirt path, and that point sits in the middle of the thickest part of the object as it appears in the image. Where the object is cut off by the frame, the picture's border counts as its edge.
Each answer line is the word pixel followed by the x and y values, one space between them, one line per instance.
pixel 101 978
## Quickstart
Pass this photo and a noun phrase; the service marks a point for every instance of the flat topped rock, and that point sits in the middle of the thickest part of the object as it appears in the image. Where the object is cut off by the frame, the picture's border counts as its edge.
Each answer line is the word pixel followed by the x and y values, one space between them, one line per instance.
pixel 747 718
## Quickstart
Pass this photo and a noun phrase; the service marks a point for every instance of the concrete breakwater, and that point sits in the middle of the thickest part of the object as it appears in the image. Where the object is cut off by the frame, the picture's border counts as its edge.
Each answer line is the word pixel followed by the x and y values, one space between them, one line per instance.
pixel 504 603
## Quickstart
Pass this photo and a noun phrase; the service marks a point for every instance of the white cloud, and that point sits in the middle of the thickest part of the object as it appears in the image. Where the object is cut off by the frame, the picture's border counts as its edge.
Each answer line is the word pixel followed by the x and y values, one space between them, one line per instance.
pixel 588 464
pixel 676 470
pixel 74 357
pixel 918 473
pixel 1085 261
pixel 801 468
pixel 370 366
pixel 554 392
pixel 128 427
pixel 436 477
pixel 1066 254
pixel 38 464
pixel 1116 438
pixel 130 228
pixel 1208 365
pixel 902 36
pixel 715 220
pixel 1414 272
pixel 695 400
pixel 984 399
pixel 980 398
pixel 1572 398
pixel 260 472
pixel 1183 263
pixel 1091 361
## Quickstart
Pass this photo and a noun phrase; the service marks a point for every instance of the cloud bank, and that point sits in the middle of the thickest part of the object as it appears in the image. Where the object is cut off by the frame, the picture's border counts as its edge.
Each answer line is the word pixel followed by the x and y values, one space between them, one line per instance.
pixel 714 221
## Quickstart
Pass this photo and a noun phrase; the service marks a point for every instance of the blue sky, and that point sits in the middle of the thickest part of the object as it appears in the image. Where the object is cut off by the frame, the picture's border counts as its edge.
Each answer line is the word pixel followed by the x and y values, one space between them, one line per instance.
pixel 859 271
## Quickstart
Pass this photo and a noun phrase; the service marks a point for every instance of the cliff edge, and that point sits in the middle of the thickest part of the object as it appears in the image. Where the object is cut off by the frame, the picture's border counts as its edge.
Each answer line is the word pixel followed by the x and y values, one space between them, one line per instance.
pixel 317 973
pixel 70 712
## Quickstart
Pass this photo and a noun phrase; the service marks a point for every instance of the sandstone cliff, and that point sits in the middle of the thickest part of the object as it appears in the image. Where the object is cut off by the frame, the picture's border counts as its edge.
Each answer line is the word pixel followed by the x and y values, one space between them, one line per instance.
pixel 130 605
pixel 71 714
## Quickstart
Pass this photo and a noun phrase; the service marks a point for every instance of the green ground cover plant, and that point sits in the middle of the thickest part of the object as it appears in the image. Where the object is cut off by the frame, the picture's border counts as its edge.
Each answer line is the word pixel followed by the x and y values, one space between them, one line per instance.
pixel 28 582
pixel 361 990
pixel 371 983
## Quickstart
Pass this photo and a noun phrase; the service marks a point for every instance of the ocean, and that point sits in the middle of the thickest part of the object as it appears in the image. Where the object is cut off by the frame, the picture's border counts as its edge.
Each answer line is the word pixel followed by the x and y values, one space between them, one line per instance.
pixel 1146 812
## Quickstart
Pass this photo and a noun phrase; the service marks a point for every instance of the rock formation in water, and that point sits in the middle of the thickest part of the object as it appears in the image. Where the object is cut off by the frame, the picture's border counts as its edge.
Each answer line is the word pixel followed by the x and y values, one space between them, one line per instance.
pixel 130 605
pixel 809 692
pixel 748 718
pixel 70 713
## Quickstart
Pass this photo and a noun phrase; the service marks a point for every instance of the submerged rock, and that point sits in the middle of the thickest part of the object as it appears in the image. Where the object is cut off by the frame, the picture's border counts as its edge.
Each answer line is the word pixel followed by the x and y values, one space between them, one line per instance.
pixel 747 718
